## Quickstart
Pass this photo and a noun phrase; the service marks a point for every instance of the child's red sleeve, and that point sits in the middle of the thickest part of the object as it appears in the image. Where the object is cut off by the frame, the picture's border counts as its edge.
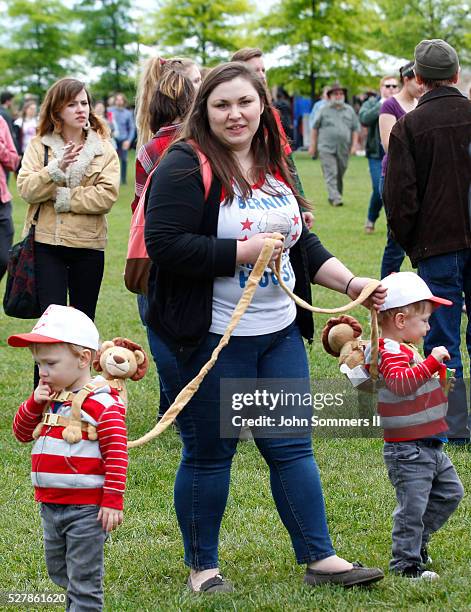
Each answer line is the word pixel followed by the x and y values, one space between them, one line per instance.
pixel 29 414
pixel 112 438
pixel 400 377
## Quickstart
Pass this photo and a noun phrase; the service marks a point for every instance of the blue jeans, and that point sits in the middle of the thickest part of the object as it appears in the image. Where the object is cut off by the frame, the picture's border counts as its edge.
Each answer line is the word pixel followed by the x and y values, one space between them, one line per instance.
pixel 375 201
pixel 394 254
pixel 74 545
pixel 202 482
pixel 449 276
pixel 142 305
pixel 123 160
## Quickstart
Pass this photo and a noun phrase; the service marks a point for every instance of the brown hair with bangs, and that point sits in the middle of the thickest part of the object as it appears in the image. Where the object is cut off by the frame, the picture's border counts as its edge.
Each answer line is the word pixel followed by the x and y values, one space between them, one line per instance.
pixel 266 145
pixel 57 97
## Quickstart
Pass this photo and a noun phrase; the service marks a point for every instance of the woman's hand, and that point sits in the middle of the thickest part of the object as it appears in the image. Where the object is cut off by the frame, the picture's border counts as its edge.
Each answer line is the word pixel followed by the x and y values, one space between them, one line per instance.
pixel 308 218
pixel 356 286
pixel 71 153
pixel 249 250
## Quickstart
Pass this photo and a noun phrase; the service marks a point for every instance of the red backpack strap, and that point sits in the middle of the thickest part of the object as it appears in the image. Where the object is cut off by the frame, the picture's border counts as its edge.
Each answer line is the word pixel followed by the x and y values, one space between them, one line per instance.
pixel 205 167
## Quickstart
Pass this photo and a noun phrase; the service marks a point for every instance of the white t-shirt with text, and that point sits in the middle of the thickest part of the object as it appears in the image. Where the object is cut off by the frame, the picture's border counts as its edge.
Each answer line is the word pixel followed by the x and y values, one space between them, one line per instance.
pixel 271 308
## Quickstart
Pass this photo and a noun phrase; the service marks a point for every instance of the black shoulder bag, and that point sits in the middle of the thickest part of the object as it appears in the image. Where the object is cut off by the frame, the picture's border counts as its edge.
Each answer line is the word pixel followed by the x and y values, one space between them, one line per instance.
pixel 21 296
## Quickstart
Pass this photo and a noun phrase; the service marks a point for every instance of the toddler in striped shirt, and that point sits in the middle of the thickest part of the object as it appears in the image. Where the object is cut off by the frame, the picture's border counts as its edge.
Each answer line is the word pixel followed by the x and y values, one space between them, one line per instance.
pixel 412 405
pixel 79 485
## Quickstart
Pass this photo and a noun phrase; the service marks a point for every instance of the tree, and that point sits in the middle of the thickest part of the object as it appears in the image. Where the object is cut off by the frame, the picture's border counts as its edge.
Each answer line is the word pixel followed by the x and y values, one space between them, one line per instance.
pixel 205 30
pixel 40 44
pixel 402 26
pixel 109 39
pixel 325 40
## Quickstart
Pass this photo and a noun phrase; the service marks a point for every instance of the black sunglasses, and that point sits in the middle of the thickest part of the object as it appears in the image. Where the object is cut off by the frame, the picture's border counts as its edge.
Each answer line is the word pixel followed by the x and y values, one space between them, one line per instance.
pixel 390 86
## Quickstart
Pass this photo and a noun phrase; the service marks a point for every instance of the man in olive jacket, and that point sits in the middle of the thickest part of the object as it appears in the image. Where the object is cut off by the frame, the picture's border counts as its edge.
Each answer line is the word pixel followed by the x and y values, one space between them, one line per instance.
pixel 427 200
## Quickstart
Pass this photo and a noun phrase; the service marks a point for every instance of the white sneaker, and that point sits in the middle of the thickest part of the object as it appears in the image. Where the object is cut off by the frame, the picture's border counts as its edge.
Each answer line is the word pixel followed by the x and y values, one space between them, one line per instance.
pixel 427 575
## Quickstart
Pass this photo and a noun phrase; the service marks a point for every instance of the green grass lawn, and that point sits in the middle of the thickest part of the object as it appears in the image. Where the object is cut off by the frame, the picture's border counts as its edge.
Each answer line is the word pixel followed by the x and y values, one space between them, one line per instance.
pixel 144 568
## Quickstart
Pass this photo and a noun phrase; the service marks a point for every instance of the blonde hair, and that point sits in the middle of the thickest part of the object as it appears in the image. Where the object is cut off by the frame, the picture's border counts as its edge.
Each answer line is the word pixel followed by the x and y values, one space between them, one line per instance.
pixel 147 85
pixel 76 349
pixel 387 77
pixel 414 308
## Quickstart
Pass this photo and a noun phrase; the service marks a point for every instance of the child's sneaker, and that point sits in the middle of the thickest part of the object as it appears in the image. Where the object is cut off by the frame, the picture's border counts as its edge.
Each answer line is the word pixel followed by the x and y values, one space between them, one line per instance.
pixel 424 556
pixel 417 573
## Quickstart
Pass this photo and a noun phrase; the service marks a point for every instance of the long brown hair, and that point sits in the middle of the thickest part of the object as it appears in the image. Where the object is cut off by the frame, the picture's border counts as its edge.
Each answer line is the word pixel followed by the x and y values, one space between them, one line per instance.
pixel 266 144
pixel 153 71
pixel 57 97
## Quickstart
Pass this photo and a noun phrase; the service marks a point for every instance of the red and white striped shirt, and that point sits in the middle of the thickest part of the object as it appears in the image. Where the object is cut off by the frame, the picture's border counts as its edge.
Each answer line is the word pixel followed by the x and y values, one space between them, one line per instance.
pixel 412 404
pixel 87 472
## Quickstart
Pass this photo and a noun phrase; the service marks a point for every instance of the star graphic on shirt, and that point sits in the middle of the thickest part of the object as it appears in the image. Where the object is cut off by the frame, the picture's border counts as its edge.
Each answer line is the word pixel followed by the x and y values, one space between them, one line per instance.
pixel 294 236
pixel 247 225
pixel 295 219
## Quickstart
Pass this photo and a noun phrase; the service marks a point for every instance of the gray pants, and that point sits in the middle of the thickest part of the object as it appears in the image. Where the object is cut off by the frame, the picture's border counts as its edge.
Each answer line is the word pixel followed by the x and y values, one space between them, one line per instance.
pixel 74 542
pixel 6 235
pixel 428 491
pixel 334 167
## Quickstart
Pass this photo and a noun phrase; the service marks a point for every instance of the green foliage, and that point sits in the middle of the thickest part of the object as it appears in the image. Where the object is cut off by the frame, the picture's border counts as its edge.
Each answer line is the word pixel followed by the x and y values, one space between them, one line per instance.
pixel 40 44
pixel 205 30
pixel 402 26
pixel 109 39
pixel 326 41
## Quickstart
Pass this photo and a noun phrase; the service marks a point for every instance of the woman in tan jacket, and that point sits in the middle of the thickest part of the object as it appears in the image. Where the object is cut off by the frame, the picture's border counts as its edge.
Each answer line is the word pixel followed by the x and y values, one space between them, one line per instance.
pixel 70 178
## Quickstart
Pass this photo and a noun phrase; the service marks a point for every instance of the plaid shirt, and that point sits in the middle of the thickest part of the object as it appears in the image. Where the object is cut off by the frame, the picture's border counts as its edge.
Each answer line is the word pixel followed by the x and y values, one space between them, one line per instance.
pixel 149 155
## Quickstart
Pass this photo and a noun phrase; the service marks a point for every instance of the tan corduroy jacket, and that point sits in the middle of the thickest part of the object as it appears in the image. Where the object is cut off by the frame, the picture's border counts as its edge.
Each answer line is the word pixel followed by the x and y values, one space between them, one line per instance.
pixel 74 203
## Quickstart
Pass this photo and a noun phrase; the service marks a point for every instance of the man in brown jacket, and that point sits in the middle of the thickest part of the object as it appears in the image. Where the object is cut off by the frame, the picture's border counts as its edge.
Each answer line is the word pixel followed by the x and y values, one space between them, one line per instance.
pixel 427 201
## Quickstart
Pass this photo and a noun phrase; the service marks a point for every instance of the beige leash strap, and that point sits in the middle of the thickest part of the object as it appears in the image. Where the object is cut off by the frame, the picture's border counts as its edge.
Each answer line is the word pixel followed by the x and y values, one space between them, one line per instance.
pixel 192 387
pixel 374 345
pixel 74 425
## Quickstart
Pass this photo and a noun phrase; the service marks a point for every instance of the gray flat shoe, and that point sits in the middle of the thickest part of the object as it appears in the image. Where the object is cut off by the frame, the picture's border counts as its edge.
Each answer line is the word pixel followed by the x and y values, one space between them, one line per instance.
pixel 216 584
pixel 358 575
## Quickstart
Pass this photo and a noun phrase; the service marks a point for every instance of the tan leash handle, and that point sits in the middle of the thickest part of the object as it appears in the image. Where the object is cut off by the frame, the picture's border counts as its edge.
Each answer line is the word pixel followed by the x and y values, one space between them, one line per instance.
pixel 374 341
pixel 369 289
pixel 261 264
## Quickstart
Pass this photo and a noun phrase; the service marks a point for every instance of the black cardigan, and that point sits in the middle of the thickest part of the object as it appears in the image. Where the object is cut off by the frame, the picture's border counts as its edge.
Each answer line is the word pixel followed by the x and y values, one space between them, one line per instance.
pixel 180 234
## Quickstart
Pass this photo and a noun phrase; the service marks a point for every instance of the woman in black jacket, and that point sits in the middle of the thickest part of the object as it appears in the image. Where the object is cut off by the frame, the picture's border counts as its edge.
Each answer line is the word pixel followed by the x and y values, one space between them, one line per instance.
pixel 203 252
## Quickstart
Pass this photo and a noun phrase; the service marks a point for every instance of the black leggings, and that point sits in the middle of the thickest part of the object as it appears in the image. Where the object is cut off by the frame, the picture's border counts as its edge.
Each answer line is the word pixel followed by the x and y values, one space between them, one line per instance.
pixel 63 272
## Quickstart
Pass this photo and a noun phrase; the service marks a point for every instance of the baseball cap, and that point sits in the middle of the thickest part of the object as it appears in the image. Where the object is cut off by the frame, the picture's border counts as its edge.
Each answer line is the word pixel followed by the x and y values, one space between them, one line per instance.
pixel 406 288
pixel 435 59
pixel 60 324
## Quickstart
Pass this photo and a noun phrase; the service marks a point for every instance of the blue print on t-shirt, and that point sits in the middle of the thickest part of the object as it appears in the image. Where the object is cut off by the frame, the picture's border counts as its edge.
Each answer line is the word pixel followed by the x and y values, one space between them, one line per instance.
pixel 265 203
pixel 286 275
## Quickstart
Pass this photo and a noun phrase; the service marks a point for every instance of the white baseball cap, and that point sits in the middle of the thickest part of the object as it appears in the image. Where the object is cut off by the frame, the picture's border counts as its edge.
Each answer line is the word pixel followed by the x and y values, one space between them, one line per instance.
pixel 60 324
pixel 406 288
